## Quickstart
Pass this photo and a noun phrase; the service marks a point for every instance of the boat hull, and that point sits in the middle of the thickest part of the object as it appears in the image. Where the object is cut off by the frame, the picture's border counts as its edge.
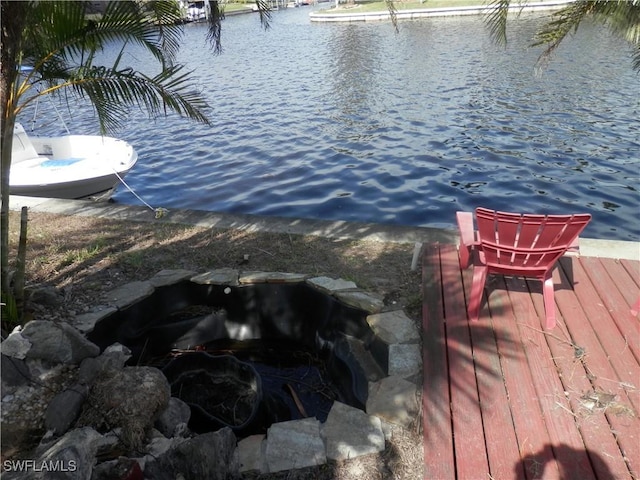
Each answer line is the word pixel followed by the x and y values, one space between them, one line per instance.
pixel 70 166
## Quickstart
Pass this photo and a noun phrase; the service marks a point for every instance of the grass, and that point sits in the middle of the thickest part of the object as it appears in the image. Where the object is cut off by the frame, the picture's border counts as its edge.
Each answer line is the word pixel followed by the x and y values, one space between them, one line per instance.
pixel 380 6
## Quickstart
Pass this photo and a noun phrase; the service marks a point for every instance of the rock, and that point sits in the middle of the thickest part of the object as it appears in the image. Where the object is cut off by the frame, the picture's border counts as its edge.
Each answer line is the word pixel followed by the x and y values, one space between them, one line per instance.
pixel 22 412
pixel 331 285
pixel 176 413
pixel 15 373
pixel 15 346
pixel 119 469
pixel 129 294
pixel 46 295
pixel 362 300
pixel 405 360
pixel 350 433
pixel 251 454
pixel 86 322
pixel 64 409
pixel 294 444
pixel 394 327
pixel 221 276
pixel 131 399
pixel 169 277
pixel 111 360
pixel 210 456
pixel 158 445
pixel 71 457
pixel 395 400
pixel 57 342
pixel 271 277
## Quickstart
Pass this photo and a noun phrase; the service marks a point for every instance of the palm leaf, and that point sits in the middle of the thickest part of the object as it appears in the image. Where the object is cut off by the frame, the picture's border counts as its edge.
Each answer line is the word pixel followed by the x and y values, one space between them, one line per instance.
pixel 496 19
pixel 620 16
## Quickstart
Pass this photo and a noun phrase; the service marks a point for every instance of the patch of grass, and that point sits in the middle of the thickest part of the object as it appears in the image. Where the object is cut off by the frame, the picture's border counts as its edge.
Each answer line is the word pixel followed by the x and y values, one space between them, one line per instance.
pixel 84 254
pixel 10 314
pixel 378 6
pixel 134 259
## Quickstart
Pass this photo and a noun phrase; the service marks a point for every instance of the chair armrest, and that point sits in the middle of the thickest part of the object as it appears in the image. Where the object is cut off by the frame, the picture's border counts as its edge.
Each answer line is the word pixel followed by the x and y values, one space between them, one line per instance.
pixel 465 226
pixel 467 237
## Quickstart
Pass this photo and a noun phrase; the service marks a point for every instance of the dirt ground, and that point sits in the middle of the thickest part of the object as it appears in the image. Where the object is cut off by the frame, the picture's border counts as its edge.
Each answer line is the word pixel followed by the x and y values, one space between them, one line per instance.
pixel 83 257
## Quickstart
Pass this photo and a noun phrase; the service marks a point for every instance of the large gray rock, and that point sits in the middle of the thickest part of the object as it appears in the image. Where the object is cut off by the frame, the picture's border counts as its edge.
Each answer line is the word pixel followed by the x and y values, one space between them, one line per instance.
pixel 57 342
pixel 71 457
pixel 64 409
pixel 177 413
pixel 130 399
pixel 15 374
pixel 15 346
pixel 210 456
pixel 108 362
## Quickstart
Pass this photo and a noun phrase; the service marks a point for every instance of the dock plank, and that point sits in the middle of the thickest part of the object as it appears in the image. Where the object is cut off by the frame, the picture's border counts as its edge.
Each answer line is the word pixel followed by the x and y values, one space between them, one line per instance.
pixel 437 432
pixel 525 391
pixel 468 434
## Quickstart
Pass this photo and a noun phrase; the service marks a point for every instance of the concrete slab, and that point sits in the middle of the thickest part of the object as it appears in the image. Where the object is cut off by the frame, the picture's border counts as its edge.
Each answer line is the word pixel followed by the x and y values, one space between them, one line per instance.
pixel 339 230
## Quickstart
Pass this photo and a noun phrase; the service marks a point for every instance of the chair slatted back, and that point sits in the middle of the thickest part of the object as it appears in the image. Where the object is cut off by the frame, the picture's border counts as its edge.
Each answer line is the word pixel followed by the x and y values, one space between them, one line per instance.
pixel 526 241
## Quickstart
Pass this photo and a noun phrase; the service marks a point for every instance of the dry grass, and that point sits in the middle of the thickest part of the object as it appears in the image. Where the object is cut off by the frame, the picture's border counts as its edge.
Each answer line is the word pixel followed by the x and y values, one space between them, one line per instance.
pixel 86 257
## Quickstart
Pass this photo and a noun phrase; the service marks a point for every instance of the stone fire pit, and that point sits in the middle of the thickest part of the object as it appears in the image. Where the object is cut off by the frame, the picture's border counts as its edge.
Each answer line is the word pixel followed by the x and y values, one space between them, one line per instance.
pixel 368 353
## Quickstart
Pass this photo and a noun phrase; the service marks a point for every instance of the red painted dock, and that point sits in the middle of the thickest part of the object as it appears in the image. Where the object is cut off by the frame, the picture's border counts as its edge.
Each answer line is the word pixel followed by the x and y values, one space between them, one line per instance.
pixel 505 399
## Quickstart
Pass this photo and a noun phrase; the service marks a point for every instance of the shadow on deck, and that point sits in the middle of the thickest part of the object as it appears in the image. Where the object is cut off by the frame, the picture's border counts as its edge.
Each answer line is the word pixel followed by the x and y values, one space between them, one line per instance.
pixel 504 398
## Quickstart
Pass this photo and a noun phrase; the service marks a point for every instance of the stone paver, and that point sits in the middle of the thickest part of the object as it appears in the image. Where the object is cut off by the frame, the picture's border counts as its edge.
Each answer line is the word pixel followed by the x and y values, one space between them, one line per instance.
pixel 294 444
pixel 395 400
pixel 221 276
pixel 350 433
pixel 129 294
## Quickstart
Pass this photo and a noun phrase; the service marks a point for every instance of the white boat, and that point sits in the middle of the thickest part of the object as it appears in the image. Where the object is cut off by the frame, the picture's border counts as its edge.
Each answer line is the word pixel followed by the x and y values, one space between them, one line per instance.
pixel 69 166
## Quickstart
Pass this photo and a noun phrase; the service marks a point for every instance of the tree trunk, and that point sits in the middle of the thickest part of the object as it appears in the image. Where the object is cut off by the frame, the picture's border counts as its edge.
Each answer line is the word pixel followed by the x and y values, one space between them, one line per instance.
pixel 13 15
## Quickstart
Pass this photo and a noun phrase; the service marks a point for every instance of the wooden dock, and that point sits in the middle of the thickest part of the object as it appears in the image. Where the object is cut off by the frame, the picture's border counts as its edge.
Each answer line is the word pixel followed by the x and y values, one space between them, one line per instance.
pixel 505 399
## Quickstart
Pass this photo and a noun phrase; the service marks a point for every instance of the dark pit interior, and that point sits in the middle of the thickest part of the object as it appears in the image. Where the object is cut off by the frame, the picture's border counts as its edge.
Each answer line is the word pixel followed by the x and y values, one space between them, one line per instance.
pixel 250 355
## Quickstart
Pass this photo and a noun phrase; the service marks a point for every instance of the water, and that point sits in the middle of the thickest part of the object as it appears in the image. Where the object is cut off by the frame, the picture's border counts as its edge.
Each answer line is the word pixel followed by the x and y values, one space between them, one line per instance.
pixel 356 122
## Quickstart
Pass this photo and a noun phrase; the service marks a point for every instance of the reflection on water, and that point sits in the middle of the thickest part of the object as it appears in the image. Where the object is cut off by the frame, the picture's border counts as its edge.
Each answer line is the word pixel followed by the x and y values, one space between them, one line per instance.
pixel 357 122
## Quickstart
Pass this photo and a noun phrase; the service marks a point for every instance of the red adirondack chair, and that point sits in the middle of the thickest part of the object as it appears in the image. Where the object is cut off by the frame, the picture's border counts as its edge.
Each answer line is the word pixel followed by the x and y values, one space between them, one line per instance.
pixel 516 244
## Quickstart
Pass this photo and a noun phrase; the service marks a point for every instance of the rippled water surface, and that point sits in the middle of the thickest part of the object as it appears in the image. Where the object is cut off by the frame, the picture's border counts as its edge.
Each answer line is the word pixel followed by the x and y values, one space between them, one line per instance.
pixel 356 122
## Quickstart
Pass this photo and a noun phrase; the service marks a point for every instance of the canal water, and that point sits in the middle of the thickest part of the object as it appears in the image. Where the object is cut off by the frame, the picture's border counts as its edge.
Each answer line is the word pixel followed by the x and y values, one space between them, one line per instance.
pixel 358 122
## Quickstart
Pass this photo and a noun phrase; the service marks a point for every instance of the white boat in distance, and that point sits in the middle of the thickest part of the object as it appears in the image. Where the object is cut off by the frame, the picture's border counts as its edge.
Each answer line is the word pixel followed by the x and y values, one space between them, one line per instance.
pixel 69 166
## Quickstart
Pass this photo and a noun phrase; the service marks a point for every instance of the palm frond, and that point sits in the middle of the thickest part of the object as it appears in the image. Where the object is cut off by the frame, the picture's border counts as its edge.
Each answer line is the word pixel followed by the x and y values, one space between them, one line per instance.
pixel 620 16
pixel 214 32
pixel 264 11
pixel 496 19
pixel 393 13
pixel 114 92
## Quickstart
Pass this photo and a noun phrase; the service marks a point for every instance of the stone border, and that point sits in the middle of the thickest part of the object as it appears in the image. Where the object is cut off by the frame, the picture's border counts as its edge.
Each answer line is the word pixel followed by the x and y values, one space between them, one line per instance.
pixel 348 431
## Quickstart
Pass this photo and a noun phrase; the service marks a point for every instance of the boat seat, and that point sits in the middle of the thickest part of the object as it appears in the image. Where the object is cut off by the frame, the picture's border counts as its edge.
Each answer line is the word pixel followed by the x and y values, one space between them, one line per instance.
pixel 22 148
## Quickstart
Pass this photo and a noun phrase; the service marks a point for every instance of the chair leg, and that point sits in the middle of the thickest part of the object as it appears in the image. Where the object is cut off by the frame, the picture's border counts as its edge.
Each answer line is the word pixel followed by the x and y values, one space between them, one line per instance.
pixel 549 301
pixel 477 289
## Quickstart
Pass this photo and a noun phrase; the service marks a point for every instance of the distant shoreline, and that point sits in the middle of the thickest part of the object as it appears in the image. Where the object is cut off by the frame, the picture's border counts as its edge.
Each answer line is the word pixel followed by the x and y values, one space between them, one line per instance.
pixel 352 15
